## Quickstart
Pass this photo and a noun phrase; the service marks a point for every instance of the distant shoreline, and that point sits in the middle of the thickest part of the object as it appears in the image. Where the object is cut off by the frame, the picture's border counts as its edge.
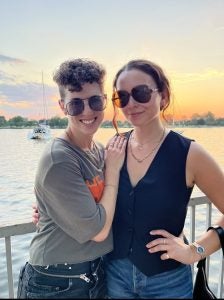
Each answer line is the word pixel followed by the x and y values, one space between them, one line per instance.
pixel 109 127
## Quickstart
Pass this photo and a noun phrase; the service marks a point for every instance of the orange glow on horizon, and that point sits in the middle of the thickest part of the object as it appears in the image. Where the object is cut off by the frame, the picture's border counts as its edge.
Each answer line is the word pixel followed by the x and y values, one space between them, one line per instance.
pixel 193 93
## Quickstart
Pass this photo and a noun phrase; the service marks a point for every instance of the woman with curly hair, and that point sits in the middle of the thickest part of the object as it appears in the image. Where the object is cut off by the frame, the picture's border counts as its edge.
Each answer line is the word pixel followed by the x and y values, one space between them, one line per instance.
pixel 76 188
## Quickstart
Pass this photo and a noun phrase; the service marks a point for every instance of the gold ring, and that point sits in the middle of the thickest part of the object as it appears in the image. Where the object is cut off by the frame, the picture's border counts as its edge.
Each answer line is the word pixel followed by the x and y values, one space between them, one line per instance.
pixel 167 256
pixel 164 242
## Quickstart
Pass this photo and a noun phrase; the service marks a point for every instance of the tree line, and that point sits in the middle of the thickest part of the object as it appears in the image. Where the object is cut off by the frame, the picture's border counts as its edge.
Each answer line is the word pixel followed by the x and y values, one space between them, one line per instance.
pixel 207 119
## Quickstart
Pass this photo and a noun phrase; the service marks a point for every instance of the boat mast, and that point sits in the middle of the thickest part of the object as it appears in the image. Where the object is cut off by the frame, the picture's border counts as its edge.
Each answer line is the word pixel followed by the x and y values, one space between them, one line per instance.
pixel 44 101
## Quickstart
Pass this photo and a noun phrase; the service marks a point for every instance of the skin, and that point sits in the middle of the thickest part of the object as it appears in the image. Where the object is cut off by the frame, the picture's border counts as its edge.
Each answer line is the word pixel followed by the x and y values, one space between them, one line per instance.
pixel 201 168
pixel 83 126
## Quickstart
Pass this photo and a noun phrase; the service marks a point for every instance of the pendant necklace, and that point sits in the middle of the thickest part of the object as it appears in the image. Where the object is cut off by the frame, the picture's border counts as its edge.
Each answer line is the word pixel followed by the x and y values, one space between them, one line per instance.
pixel 151 152
pixel 139 145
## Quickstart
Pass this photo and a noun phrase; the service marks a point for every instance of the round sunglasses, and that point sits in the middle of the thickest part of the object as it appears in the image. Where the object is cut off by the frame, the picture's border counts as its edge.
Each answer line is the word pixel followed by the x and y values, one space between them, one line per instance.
pixel 76 106
pixel 140 93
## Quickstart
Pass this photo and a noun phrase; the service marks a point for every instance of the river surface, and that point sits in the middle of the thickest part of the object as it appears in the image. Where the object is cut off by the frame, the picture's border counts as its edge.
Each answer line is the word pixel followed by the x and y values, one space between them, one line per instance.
pixel 19 157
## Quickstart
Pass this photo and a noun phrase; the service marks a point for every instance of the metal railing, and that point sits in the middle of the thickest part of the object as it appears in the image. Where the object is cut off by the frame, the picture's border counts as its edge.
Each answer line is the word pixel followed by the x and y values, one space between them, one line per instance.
pixel 8 231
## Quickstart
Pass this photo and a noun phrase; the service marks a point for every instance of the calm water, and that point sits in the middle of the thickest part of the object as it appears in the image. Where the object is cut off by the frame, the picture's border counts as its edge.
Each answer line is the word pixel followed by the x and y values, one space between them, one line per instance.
pixel 18 163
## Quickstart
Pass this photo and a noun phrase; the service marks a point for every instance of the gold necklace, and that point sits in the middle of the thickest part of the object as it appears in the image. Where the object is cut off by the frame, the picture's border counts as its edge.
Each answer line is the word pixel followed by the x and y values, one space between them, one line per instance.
pixel 151 152
pixel 139 145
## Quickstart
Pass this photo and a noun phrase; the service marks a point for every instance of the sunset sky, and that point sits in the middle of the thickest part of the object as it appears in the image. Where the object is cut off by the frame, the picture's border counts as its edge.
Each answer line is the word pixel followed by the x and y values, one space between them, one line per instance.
pixel 185 37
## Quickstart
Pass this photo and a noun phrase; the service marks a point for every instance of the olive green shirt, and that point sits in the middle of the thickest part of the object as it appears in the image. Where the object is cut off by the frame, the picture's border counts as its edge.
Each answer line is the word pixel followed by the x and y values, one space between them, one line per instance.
pixel 68 185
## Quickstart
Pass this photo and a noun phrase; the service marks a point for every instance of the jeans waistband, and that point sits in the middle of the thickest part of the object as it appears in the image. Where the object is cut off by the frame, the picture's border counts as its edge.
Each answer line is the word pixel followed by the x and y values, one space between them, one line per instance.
pixel 67 269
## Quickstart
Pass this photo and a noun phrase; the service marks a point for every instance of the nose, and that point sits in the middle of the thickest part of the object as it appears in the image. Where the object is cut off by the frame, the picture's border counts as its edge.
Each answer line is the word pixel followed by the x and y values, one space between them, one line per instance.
pixel 87 109
pixel 132 101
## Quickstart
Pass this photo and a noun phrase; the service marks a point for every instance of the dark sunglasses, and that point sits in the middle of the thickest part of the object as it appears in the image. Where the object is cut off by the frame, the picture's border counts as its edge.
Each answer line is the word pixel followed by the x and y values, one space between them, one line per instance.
pixel 140 93
pixel 76 106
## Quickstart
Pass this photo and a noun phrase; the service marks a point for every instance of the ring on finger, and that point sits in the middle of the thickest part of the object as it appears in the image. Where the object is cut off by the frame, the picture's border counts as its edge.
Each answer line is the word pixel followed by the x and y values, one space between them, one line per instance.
pixel 164 242
pixel 167 256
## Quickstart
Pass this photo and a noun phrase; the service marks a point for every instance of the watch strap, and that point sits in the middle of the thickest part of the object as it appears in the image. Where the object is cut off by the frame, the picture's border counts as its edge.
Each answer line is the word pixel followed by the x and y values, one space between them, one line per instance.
pixel 220 231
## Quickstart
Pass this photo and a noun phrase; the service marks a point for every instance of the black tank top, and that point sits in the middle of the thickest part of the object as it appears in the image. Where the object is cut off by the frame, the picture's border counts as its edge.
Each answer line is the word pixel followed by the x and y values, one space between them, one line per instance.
pixel 158 201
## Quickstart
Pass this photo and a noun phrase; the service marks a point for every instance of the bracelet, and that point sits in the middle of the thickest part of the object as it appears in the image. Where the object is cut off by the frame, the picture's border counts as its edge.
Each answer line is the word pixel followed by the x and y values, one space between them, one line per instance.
pixel 113 185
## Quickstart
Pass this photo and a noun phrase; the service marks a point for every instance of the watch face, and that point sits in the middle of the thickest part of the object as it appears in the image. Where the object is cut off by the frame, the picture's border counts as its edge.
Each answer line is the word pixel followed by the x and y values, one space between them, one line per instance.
pixel 200 250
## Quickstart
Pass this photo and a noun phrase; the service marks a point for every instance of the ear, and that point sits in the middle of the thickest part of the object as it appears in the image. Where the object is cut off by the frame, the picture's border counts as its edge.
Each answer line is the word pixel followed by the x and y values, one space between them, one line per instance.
pixel 162 104
pixel 163 100
pixel 62 106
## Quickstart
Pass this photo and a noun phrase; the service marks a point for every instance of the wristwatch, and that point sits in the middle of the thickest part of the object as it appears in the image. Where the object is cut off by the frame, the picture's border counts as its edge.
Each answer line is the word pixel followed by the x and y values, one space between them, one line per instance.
pixel 199 249
pixel 220 231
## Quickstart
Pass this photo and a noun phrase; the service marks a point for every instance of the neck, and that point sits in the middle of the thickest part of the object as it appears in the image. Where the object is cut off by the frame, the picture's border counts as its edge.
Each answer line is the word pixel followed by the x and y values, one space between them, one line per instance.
pixel 82 141
pixel 148 133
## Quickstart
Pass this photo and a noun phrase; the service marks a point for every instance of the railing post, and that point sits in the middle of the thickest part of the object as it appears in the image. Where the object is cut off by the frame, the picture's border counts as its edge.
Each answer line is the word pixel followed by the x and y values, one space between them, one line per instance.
pixel 192 223
pixel 208 223
pixel 220 283
pixel 192 230
pixel 9 266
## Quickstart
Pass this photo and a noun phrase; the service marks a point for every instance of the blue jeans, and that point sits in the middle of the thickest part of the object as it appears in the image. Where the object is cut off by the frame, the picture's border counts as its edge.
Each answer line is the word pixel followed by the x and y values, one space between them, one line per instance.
pixel 125 281
pixel 62 281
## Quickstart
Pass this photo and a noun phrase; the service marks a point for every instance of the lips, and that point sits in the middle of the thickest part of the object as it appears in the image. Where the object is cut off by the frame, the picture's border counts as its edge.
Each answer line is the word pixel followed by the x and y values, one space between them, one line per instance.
pixel 88 122
pixel 135 114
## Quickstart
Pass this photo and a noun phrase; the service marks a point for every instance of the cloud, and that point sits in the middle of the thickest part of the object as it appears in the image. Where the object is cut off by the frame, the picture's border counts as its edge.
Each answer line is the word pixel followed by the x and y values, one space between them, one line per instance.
pixel 6 77
pixel 22 97
pixel 26 96
pixel 8 59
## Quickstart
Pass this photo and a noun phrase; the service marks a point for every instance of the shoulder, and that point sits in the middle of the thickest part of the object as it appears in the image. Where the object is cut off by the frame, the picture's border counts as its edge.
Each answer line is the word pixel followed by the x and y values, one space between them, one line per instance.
pixel 175 141
pixel 199 159
pixel 59 152
pixel 127 133
pixel 178 136
pixel 197 151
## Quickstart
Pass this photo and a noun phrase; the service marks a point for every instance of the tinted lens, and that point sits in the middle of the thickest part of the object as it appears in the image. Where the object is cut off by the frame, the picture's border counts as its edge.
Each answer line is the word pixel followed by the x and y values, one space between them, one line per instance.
pixel 97 103
pixel 121 98
pixel 141 93
pixel 75 107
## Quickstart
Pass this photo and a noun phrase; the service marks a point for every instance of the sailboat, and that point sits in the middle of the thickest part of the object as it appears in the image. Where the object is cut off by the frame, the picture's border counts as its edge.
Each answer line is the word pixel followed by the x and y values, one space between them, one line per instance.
pixel 42 130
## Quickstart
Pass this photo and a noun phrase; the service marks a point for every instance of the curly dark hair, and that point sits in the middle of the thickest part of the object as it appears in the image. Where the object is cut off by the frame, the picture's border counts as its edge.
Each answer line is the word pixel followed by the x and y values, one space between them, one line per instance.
pixel 74 73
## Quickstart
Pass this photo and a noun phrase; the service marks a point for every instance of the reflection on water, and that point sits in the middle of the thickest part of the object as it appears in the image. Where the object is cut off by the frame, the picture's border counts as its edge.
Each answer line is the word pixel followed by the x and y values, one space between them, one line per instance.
pixel 18 164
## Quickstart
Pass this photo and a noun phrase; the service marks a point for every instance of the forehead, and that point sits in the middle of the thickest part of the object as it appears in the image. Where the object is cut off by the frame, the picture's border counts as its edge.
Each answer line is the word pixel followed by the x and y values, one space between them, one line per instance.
pixel 130 78
pixel 88 90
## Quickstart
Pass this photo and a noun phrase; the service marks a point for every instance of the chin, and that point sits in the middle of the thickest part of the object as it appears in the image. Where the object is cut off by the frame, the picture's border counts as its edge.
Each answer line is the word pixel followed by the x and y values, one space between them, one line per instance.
pixel 91 129
pixel 136 122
